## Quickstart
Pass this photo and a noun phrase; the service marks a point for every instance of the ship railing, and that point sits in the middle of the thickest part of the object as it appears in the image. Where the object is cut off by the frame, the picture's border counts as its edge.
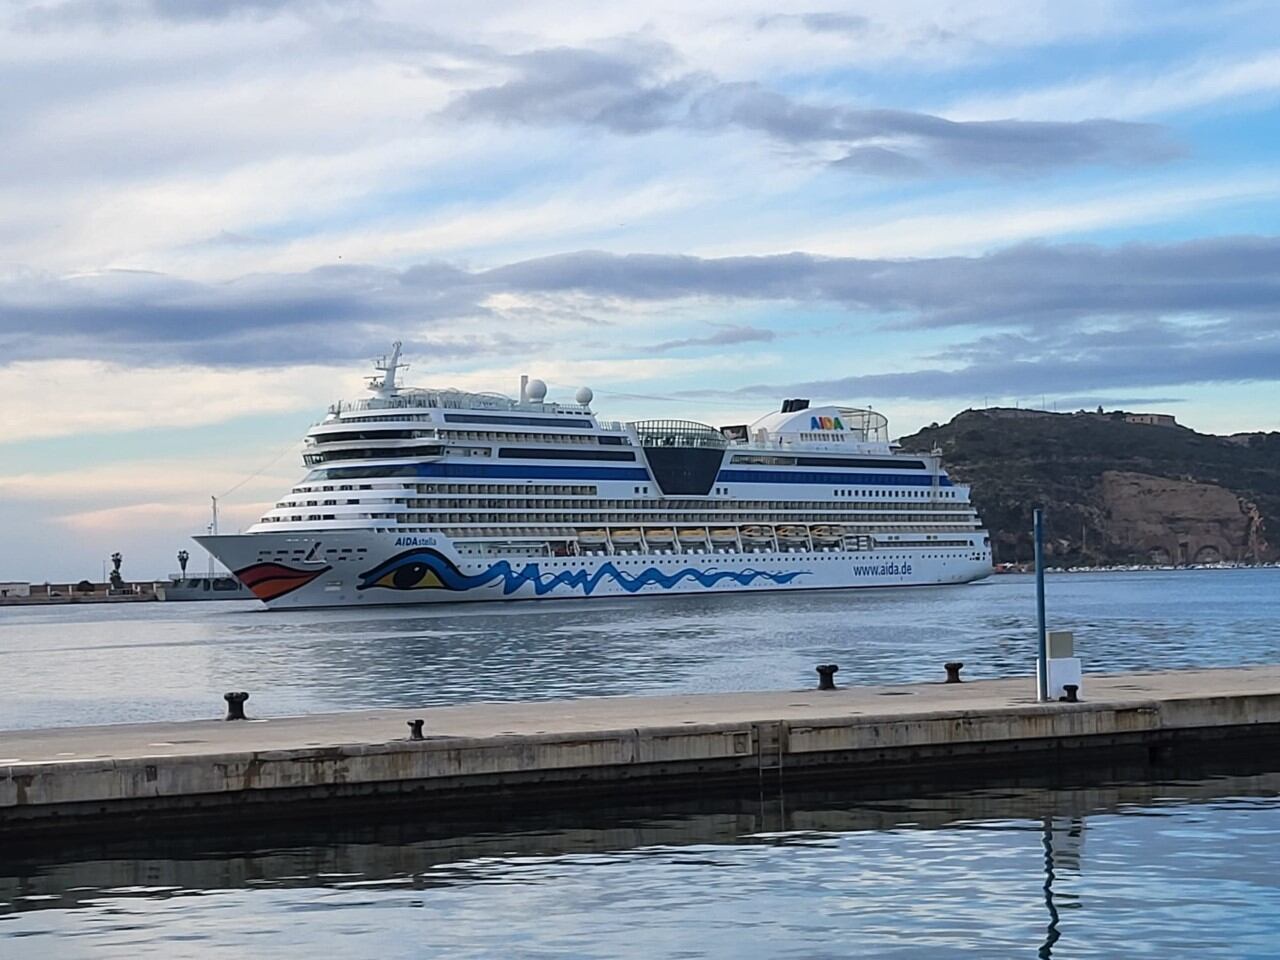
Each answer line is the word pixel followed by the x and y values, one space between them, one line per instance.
pixel 678 433
pixel 452 400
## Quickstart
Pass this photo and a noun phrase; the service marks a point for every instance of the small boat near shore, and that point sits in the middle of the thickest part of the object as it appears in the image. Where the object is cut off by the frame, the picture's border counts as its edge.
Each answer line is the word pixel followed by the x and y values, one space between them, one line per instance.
pixel 185 588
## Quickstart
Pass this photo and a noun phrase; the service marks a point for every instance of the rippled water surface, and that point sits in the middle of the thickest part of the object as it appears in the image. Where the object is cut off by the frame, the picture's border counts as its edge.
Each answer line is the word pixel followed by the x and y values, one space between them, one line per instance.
pixel 1168 869
pixel 110 664
pixel 1182 865
pixel 158 661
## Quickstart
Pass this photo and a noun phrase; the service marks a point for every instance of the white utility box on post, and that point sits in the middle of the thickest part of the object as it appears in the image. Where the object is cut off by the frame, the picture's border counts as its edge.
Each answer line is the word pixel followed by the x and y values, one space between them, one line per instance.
pixel 1063 665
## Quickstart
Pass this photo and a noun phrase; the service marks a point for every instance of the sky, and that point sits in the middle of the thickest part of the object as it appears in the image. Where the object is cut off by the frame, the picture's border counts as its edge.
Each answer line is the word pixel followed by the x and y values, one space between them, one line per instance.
pixel 213 214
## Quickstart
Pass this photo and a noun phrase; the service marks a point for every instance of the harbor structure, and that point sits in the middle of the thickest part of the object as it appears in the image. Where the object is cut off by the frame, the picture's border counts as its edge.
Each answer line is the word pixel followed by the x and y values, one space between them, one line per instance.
pixel 81 591
pixel 131 776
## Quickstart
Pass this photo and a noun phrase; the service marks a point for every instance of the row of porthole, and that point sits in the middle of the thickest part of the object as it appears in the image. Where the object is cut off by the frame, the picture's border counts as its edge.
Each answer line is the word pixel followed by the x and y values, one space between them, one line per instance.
pixel 286 553
pixel 892 494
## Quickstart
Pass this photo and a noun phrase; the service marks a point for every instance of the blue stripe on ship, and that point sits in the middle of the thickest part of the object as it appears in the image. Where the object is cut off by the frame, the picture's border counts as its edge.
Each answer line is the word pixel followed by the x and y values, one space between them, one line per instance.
pixel 788 476
pixel 540 472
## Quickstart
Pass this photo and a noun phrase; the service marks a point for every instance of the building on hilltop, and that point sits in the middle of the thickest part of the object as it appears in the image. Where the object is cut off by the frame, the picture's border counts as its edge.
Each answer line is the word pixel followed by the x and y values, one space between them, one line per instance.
pixel 1152 419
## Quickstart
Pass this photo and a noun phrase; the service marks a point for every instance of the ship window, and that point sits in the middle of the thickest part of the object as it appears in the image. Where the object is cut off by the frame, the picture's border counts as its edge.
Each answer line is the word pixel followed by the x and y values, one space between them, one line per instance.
pixel 554 453
pixel 763 460
pixel 553 422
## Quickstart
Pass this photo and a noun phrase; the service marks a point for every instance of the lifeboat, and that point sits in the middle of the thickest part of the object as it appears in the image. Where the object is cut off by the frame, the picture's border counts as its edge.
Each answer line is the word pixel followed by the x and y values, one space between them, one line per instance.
pixel 756 533
pixel 592 536
pixel 626 536
pixel 660 535
pixel 695 534
pixel 827 534
pixel 724 535
pixel 792 533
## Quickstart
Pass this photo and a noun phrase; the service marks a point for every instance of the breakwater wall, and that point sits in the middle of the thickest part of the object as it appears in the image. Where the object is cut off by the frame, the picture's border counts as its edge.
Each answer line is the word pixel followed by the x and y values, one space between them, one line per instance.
pixel 137 775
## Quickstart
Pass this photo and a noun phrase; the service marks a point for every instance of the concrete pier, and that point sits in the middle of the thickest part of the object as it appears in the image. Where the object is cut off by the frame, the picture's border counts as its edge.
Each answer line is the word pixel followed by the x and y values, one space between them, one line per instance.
pixel 141 774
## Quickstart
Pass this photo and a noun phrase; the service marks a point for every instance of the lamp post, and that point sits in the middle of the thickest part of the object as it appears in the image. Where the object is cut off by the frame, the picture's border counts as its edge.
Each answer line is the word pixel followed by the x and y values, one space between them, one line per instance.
pixel 1042 661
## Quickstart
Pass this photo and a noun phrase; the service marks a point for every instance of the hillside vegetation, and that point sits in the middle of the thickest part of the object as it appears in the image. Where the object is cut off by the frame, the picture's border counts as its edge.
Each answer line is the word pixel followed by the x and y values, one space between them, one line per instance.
pixel 1114 491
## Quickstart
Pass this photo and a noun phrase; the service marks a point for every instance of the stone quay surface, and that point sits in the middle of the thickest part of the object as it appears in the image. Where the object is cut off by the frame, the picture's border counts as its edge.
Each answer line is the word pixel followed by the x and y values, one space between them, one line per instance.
pixel 472 754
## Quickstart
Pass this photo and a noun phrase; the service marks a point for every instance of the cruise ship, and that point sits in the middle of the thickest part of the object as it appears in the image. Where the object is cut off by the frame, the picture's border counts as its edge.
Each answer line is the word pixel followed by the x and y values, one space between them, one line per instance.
pixel 438 495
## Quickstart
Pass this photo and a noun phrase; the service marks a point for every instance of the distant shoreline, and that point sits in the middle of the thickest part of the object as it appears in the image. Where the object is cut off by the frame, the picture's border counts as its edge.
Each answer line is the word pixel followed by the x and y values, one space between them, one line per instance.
pixel 1136 567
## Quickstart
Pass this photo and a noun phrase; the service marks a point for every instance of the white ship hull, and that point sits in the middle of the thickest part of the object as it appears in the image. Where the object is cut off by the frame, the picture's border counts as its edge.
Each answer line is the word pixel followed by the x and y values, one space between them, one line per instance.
pixel 358 568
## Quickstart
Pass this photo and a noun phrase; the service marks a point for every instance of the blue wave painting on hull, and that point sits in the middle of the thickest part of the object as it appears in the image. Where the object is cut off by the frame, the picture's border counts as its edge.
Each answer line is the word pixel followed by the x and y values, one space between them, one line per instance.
pixel 430 570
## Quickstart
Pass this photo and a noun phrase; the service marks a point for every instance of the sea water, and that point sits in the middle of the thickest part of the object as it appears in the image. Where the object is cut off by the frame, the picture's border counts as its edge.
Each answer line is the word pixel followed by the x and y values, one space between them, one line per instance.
pixel 1116 869
pixel 173 661
pixel 1117 864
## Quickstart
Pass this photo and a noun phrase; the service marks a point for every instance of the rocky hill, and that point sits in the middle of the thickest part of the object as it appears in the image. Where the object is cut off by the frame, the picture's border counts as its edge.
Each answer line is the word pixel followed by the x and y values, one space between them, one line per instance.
pixel 1114 491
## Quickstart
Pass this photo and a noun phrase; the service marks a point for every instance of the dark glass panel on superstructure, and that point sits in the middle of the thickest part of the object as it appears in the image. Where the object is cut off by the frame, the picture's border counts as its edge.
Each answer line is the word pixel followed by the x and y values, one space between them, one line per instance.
pixel 559 453
pixel 684 470
pixel 884 463
pixel 373 453
pixel 363 435
pixel 684 457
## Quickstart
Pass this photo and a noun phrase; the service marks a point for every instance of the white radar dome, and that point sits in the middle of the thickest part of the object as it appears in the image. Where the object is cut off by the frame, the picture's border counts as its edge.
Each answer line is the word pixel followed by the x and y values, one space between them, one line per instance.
pixel 537 391
pixel 584 395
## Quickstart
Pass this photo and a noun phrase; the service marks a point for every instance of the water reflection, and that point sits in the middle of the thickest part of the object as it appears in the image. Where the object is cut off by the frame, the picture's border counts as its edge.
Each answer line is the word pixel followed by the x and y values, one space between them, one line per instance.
pixel 917 871
pixel 1075 830
pixel 412 848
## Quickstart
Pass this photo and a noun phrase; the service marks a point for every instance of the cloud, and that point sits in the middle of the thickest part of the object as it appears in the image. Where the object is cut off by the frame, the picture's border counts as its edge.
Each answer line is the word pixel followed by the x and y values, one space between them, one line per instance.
pixel 334 313
pixel 617 89
pixel 114 14
pixel 969 221
pixel 727 335
pixel 1022 285
pixel 821 22
pixel 636 87
pixel 121 519
pixel 55 398
pixel 1108 402
pixel 1068 358
pixel 881 162
pixel 326 313
pixel 149 480
pixel 1135 93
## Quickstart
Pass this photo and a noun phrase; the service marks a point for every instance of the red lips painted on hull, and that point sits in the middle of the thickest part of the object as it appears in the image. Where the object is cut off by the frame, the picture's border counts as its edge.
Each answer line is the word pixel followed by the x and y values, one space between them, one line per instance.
pixel 271 580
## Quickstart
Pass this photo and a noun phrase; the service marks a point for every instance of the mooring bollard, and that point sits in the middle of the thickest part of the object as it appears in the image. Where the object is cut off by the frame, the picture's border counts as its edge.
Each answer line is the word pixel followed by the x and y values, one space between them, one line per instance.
pixel 235 705
pixel 953 669
pixel 1072 690
pixel 415 729
pixel 826 675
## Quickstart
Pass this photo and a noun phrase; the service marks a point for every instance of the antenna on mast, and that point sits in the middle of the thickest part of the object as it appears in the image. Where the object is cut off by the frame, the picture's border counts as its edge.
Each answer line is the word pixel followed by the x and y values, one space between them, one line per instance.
pixel 213 529
pixel 385 386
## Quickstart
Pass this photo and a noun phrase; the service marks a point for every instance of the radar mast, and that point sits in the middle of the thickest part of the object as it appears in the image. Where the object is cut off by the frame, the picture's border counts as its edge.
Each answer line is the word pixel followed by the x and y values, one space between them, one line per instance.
pixel 385 386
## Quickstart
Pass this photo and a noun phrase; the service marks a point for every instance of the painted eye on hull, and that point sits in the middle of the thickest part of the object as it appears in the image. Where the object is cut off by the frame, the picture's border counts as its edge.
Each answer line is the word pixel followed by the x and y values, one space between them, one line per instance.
pixel 409 576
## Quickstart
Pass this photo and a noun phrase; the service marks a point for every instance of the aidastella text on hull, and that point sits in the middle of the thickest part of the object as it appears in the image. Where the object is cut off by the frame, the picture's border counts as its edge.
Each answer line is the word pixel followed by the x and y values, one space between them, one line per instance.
pixel 426 495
